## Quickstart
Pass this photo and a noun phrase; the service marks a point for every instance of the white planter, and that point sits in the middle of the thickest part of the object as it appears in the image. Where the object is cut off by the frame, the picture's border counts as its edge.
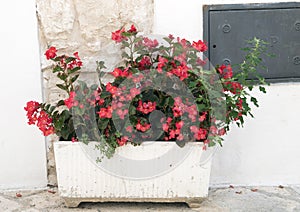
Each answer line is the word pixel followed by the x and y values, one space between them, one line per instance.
pixel 151 172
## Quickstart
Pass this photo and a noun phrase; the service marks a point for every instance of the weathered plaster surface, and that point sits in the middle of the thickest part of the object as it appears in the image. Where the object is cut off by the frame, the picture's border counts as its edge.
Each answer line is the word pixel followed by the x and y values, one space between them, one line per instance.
pixel 85 26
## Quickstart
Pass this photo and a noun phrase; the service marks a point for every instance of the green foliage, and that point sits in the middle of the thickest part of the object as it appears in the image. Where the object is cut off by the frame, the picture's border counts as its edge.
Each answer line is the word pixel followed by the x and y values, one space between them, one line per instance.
pixel 197 104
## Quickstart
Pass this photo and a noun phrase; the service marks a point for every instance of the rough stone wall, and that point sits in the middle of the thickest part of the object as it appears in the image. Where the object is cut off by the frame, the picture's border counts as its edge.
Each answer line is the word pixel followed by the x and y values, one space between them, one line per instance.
pixel 84 26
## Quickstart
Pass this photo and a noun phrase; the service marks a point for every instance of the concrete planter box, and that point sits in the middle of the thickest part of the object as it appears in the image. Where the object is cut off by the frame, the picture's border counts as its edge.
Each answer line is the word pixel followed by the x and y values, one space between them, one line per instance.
pixel 151 172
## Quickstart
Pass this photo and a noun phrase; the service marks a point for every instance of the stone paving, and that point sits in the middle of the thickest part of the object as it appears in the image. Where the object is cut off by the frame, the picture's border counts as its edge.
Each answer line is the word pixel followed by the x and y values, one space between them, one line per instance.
pixel 259 199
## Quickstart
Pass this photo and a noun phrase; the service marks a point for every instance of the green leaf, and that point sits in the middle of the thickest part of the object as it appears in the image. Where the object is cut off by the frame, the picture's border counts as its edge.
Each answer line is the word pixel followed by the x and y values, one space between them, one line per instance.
pixel 125 55
pixel 55 114
pixel 254 100
pixel 234 114
pixel 138 39
pixel 250 114
pixel 200 107
pixel 212 143
pixel 127 34
pixel 63 87
pixel 65 114
pixel 262 89
pixel 100 65
pixel 71 71
pixel 94 87
pixel 47 107
pixel 62 76
pixel 132 110
pixel 105 94
pixel 167 39
pixel 165 102
pixel 102 123
pixel 241 120
pixel 73 79
pixel 57 69
pixel 52 108
pixel 70 59
pixel 58 123
pixel 65 132
pixel 60 103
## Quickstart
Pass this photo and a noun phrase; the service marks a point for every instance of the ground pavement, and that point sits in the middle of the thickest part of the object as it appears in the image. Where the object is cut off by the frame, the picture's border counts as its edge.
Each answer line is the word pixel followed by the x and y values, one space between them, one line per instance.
pixel 258 199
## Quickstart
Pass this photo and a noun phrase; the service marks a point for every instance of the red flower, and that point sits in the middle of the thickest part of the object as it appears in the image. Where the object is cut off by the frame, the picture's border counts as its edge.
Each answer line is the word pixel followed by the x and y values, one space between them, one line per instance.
pixel 177 111
pixel 129 129
pixel 111 89
pixel 179 124
pixel 70 102
pixel 234 87
pixel 171 37
pixel 150 43
pixel 222 132
pixel 161 63
pixel 102 113
pixel 193 112
pixel 51 53
pixel 142 127
pixel 132 29
pixel 44 123
pixel 213 130
pixel 116 72
pixel 146 107
pixel 201 62
pixel 180 137
pixel 165 127
pixel 117 35
pixel 116 105
pixel 73 63
pixel 101 101
pixel 181 58
pixel 136 79
pixel 221 68
pixel 39 117
pixel 228 74
pixel 122 113
pixel 238 117
pixel 178 108
pixel 120 73
pixel 76 55
pixel 202 117
pixel 144 63
pixel 172 134
pixel 74 139
pixel 239 104
pixel 199 133
pixel 183 42
pixel 105 112
pixel 32 108
pixel 181 72
pixel 169 119
pixel 200 46
pixel 122 141
pixel 134 92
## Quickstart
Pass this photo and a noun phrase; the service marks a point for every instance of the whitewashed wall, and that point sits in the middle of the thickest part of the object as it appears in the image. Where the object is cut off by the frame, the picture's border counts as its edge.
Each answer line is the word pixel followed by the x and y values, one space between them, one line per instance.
pixel 266 151
pixel 84 26
pixel 22 148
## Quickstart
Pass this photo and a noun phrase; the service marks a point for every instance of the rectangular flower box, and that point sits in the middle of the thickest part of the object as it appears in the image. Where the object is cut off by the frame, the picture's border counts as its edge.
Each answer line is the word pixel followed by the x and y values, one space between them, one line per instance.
pixel 151 172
